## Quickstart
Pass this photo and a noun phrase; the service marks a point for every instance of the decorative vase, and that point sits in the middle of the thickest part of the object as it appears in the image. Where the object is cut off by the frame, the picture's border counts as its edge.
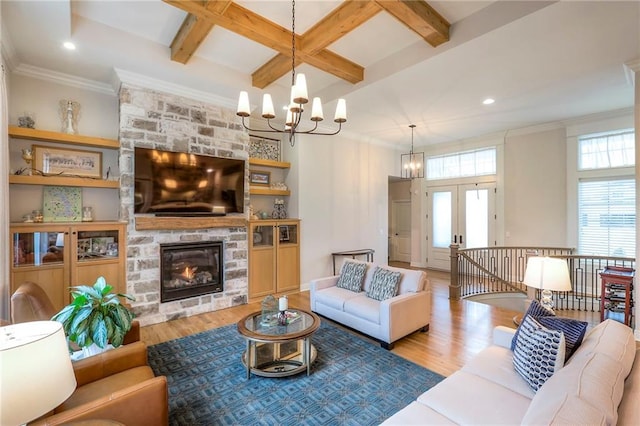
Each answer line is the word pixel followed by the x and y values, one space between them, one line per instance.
pixel 69 113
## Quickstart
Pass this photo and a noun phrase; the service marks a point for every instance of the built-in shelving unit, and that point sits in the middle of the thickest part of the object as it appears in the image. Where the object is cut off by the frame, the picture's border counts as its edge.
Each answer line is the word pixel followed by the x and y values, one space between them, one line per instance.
pixel 255 190
pixel 262 190
pixel 63 181
pixel 269 163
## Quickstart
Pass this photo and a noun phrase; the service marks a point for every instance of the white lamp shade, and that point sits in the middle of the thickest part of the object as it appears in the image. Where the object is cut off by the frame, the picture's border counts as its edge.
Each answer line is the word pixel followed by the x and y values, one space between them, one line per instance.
pixel 316 110
pixel 547 273
pixel 36 372
pixel 300 94
pixel 267 107
pixel 341 111
pixel 243 105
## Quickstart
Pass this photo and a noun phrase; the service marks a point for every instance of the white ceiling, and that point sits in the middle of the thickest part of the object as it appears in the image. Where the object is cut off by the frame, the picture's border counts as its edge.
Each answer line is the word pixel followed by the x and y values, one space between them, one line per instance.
pixel 541 61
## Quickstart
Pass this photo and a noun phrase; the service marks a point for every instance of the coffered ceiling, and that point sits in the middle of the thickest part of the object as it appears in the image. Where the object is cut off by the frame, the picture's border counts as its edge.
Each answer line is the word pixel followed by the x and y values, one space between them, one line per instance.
pixel 395 62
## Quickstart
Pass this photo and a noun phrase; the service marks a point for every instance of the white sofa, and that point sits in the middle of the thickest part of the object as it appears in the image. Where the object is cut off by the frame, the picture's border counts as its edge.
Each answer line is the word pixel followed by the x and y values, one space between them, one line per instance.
pixel 590 389
pixel 387 320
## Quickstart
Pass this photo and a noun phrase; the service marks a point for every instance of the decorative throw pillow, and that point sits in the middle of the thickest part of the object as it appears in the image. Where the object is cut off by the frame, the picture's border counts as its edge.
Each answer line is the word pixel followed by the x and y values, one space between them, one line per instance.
pixel 573 330
pixel 539 352
pixel 536 310
pixel 352 276
pixel 384 284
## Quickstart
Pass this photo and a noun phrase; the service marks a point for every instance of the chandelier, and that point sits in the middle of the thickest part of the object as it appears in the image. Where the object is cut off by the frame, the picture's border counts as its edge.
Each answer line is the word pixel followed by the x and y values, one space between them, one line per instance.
pixel 412 164
pixel 299 97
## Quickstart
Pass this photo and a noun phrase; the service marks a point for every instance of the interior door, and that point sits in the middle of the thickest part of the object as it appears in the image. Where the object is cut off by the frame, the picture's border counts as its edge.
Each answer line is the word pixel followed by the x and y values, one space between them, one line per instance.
pixel 400 231
pixel 460 214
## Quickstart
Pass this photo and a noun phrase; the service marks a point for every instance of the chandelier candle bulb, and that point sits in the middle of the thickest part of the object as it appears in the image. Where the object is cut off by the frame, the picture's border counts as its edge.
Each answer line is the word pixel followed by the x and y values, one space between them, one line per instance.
pixel 316 110
pixel 243 105
pixel 267 107
pixel 300 94
pixel 289 120
pixel 341 111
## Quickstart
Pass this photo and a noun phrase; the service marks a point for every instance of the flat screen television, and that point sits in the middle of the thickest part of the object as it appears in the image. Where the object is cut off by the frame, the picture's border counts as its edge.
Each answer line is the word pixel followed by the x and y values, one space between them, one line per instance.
pixel 182 184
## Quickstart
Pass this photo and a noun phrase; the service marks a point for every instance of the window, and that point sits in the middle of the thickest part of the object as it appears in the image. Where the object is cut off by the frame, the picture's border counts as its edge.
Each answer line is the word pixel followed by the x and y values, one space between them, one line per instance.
pixel 462 164
pixel 607 217
pixel 607 203
pixel 605 151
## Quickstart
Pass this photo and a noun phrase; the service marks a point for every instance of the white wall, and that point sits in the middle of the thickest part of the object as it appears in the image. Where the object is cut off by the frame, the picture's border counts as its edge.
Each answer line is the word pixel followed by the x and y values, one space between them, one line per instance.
pixel 535 189
pixel 343 199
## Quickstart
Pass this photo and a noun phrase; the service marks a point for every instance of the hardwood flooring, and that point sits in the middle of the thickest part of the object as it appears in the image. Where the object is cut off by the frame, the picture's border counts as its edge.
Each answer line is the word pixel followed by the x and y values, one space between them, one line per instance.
pixel 459 329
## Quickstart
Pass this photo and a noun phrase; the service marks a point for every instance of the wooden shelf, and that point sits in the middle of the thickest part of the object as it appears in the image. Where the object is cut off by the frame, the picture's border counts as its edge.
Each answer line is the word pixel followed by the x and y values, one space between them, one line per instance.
pixel 65 138
pixel 63 181
pixel 268 191
pixel 269 163
pixel 144 223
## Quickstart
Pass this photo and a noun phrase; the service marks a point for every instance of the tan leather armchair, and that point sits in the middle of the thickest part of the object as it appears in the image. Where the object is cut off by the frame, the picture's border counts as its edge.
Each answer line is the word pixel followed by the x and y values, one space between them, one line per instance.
pixel 31 303
pixel 115 385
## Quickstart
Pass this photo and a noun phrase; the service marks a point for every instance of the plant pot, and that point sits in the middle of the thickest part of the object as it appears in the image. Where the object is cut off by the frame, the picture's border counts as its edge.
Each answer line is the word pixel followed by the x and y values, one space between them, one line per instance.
pixel 94 349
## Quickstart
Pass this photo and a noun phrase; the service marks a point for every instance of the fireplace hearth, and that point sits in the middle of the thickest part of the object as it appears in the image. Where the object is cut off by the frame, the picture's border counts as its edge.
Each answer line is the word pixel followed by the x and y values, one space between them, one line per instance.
pixel 191 269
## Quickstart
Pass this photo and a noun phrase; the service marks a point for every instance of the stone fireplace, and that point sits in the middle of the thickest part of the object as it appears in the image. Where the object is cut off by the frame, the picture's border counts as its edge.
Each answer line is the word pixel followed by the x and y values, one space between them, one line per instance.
pixel 191 269
pixel 159 120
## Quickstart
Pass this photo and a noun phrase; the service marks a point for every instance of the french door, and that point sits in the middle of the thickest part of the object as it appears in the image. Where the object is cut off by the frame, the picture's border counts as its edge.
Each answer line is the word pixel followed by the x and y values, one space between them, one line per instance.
pixel 460 214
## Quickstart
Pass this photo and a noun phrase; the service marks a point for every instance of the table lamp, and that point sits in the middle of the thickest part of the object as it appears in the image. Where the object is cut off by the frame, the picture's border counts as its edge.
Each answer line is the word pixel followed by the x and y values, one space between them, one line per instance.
pixel 36 374
pixel 547 274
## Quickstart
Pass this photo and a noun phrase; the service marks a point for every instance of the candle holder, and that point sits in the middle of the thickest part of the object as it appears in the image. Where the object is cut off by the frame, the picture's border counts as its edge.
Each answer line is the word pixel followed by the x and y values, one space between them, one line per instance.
pixel 282 318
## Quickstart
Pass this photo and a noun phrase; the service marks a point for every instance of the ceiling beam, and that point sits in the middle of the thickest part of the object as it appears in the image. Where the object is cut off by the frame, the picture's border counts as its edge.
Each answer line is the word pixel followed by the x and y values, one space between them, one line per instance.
pixel 342 20
pixel 193 31
pixel 254 27
pixel 419 17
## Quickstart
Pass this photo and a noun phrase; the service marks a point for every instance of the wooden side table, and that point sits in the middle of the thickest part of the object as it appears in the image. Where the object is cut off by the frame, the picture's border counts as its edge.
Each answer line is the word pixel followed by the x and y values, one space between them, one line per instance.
pixel 368 253
pixel 616 297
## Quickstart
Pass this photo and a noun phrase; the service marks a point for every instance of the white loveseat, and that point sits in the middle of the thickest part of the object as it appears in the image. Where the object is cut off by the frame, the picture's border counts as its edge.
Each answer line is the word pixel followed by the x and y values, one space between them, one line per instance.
pixel 387 320
pixel 589 390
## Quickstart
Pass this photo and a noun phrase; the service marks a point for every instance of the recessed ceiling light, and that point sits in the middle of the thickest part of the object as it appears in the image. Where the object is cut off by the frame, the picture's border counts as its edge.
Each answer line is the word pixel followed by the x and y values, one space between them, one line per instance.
pixel 69 45
pixel 488 101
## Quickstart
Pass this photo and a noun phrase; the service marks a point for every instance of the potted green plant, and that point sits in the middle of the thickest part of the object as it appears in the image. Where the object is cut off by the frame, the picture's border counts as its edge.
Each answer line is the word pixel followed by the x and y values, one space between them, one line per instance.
pixel 96 316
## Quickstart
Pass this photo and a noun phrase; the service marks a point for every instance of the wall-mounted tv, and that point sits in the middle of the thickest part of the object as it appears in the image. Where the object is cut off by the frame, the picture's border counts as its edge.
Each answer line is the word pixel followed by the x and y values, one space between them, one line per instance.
pixel 182 184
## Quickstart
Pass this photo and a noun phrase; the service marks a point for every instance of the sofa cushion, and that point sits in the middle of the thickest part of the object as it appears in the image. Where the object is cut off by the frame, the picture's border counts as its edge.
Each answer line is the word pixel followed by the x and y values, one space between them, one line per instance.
pixel 465 398
pixel 352 276
pixel 573 331
pixel 611 338
pixel 417 414
pixel 335 297
pixel 384 284
pixel 363 307
pixel 495 363
pixel 539 352
pixel 629 409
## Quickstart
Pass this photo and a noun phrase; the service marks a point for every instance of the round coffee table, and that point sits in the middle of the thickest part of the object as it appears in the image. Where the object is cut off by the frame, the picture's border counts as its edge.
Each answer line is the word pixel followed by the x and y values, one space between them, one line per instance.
pixel 279 350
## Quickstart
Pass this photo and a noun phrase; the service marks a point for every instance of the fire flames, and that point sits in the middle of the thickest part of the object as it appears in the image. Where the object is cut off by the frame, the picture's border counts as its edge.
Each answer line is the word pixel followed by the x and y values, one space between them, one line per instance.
pixel 189 273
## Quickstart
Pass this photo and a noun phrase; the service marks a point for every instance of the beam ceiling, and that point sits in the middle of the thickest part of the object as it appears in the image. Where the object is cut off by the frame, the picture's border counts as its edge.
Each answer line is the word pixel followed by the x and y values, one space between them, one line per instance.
pixel 311 47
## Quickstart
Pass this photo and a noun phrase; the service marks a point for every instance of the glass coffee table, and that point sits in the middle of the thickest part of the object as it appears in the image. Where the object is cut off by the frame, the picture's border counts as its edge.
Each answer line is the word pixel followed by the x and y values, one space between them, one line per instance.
pixel 279 350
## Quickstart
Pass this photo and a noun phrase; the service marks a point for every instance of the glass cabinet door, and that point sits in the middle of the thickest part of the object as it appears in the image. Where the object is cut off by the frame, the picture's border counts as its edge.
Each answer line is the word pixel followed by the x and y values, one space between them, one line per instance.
pixel 288 234
pixel 97 244
pixel 262 235
pixel 38 248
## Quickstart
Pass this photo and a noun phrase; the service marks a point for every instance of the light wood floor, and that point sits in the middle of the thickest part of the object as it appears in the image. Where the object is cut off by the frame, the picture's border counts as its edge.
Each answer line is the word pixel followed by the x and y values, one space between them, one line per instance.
pixel 458 329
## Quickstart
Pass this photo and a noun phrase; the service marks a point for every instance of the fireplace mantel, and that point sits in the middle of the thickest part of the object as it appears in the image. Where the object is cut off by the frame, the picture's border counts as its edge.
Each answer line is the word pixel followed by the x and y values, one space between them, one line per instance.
pixel 144 223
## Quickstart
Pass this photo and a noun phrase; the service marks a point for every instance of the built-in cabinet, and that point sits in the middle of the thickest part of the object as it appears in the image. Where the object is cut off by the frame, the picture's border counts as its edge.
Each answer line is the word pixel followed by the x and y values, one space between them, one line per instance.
pixel 274 257
pixel 59 255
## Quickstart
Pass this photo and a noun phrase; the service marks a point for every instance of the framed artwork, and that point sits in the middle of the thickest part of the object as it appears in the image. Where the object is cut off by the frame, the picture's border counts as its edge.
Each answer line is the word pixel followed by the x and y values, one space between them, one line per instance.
pixel 67 162
pixel 99 245
pixel 260 178
pixel 84 246
pixel 61 204
pixel 284 232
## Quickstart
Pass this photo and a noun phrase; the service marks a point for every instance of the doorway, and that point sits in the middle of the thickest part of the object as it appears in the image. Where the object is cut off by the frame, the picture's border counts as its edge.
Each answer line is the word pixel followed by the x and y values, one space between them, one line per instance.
pixel 459 214
pixel 399 220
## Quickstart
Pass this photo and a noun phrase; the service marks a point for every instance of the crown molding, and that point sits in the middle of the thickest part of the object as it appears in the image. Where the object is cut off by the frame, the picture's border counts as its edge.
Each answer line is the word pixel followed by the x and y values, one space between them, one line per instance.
pixel 62 78
pixel 630 70
pixel 143 81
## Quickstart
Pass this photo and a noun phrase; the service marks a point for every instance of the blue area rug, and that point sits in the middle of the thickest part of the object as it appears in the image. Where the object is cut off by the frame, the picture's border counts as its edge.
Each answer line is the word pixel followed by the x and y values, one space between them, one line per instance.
pixel 352 382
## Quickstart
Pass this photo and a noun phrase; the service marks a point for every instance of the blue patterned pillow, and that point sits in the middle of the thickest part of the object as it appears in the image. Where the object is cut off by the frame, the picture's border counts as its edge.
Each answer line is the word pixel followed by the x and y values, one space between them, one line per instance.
pixel 573 330
pixel 384 284
pixel 539 352
pixel 536 310
pixel 352 276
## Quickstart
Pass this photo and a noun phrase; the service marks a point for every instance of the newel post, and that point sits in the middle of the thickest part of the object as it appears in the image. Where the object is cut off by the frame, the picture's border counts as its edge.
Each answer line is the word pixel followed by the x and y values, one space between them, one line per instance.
pixel 454 285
